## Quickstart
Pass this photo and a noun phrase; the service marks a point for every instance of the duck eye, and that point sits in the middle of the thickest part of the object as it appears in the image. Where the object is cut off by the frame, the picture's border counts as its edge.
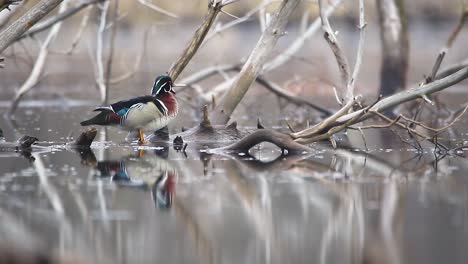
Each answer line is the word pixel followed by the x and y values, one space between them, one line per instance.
pixel 167 88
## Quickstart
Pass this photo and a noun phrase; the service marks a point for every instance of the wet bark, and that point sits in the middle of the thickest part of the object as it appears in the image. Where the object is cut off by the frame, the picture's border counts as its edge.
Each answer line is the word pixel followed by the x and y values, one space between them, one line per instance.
pixel 395 46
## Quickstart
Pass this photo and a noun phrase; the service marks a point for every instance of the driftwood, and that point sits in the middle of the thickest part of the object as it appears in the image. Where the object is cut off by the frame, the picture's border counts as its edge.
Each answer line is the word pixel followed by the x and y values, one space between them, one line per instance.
pixel 282 140
pixel 85 139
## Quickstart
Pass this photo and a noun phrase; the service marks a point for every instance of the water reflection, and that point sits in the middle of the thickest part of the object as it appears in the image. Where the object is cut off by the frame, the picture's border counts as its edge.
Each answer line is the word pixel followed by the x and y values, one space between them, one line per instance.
pixel 141 170
pixel 141 205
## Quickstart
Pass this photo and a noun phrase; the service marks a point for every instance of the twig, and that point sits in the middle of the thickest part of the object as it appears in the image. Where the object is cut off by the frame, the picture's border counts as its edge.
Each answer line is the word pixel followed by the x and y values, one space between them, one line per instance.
pixel 100 79
pixel 83 24
pixel 196 41
pixel 157 8
pixel 220 28
pixel 26 21
pixel 330 37
pixel 53 20
pixel 111 49
pixel 284 56
pixel 273 87
pixel 36 72
pixel 137 64
pixel 448 44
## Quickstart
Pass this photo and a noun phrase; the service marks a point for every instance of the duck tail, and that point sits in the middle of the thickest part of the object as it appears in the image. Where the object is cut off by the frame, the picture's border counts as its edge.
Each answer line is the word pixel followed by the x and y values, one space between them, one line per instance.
pixel 104 118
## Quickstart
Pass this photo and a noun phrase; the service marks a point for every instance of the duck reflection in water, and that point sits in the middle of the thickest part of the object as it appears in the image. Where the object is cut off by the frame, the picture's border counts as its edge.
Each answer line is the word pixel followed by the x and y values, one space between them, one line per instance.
pixel 144 171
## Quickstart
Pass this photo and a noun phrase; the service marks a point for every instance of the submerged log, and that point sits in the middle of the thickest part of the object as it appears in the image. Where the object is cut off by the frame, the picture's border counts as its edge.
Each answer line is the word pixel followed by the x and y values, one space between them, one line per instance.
pixel 283 141
pixel 85 139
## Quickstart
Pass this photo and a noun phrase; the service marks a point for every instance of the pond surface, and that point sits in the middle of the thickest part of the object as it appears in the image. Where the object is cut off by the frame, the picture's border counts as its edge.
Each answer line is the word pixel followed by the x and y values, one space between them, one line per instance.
pixel 120 203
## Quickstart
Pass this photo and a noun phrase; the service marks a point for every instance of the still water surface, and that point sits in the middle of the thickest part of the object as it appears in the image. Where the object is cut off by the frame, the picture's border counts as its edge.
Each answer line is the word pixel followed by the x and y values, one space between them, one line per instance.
pixel 123 204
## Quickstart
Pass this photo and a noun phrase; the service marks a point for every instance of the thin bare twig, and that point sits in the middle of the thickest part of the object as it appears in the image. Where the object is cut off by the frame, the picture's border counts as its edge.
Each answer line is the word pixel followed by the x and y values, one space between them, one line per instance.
pixel 36 72
pixel 157 8
pixel 26 21
pixel 100 79
pixel 53 20
pixel 111 48
pixel 448 44
pixel 137 64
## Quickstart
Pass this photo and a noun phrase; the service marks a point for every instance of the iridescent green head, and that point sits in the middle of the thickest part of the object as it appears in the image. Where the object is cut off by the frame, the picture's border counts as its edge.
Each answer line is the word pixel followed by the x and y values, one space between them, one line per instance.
pixel 162 84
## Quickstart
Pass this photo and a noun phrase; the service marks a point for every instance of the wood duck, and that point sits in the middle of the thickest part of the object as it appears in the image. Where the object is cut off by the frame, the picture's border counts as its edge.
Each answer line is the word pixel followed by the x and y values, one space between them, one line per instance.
pixel 147 113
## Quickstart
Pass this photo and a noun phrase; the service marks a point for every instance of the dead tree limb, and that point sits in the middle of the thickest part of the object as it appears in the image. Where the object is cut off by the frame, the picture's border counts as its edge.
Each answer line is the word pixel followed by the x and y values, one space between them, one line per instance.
pixel 321 131
pixel 36 72
pixel 110 56
pixel 335 46
pixel 129 73
pixel 394 39
pixel 284 56
pixel 213 10
pixel 53 20
pixel 347 79
pixel 26 21
pixel 252 68
pixel 448 44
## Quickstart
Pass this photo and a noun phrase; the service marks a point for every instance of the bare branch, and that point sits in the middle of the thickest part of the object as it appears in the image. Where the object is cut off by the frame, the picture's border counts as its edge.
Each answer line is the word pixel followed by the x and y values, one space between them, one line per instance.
pixel 39 65
pixel 286 55
pixel 330 37
pixel 443 52
pixel 157 8
pixel 196 41
pixel 51 21
pixel 100 79
pixel 137 64
pixel 220 28
pixel 111 48
pixel 253 67
pixel 26 21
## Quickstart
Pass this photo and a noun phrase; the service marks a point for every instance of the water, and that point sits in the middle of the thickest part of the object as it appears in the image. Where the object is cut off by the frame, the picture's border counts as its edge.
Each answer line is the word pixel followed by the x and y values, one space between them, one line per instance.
pixel 121 203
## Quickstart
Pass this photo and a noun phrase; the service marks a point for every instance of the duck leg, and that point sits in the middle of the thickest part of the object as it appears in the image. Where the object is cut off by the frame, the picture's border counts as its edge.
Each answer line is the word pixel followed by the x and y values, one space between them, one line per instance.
pixel 141 139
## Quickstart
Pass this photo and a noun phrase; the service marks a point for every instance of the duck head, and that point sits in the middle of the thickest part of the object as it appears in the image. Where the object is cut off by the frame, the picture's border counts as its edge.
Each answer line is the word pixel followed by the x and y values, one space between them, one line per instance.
pixel 162 84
